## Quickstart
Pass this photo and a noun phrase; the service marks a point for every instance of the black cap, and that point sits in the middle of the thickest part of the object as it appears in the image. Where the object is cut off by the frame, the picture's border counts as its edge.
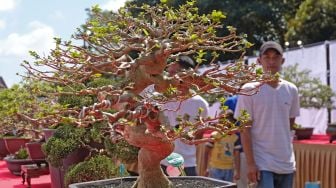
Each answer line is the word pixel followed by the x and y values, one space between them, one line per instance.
pixel 270 45
pixel 186 62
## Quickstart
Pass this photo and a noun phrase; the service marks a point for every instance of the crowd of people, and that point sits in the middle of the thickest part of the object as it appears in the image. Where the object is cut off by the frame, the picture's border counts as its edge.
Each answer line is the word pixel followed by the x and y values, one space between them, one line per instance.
pixel 259 156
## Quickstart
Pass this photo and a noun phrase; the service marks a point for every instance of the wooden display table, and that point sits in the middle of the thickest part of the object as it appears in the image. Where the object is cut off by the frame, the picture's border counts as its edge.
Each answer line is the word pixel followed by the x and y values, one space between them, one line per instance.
pixel 33 171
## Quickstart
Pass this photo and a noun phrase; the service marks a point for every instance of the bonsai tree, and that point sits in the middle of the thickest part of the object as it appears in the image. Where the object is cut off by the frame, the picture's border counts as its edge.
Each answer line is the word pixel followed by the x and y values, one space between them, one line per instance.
pixel 313 93
pixel 96 168
pixel 13 100
pixel 19 105
pixel 21 154
pixel 134 47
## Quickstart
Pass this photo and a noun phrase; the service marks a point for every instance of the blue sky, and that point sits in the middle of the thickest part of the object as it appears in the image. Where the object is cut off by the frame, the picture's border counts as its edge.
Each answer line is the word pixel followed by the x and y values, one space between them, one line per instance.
pixel 32 24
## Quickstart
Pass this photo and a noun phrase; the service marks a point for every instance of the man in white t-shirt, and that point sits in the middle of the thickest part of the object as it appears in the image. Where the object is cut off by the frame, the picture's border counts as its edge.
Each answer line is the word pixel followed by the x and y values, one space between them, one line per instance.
pixel 191 107
pixel 267 144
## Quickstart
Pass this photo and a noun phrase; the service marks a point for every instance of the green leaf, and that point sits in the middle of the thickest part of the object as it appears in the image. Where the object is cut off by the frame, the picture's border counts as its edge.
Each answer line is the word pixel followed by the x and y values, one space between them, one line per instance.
pixel 200 110
pixel 259 71
pixel 98 75
pixel 96 9
pixel 146 32
pixel 191 3
pixel 216 16
pixel 75 54
pixel 222 100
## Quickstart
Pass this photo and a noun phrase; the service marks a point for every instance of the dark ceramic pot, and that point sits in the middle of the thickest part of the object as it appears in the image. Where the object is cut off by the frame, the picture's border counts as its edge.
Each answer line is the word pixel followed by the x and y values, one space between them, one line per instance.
pixel 303 132
pixel 184 181
pixel 35 150
pixel 331 131
pixel 14 165
pixel 3 149
pixel 14 144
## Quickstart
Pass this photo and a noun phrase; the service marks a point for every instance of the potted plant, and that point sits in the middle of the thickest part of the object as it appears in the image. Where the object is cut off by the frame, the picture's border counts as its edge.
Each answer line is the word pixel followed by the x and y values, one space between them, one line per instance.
pixel 133 49
pixel 15 161
pixel 98 167
pixel 15 102
pixel 331 131
pixel 63 150
pixel 313 94
pixel 302 132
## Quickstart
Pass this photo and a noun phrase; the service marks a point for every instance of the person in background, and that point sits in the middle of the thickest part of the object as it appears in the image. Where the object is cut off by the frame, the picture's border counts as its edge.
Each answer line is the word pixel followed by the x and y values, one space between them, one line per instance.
pixel 191 107
pixel 227 165
pixel 267 143
pixel 240 160
pixel 222 155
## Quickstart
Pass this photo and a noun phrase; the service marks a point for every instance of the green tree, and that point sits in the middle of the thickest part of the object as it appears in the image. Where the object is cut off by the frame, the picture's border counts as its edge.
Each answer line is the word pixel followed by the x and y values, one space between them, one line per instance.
pixel 260 20
pixel 315 21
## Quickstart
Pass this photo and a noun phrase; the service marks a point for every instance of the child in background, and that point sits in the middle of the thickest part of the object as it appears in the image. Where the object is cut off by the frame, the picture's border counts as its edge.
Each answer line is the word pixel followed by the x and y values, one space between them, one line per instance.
pixel 222 154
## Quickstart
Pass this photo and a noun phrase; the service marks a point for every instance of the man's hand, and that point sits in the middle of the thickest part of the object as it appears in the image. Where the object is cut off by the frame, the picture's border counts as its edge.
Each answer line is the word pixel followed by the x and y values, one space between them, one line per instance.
pixel 253 173
pixel 236 176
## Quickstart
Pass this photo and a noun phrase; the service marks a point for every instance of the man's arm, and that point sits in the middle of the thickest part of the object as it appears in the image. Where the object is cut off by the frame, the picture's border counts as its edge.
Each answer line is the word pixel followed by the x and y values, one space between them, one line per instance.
pixel 236 154
pixel 207 156
pixel 253 172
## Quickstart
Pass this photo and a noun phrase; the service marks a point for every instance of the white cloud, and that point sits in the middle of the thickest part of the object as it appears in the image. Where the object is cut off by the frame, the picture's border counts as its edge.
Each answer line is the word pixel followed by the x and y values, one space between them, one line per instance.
pixel 113 5
pixel 39 39
pixel 2 24
pixel 57 15
pixel 6 5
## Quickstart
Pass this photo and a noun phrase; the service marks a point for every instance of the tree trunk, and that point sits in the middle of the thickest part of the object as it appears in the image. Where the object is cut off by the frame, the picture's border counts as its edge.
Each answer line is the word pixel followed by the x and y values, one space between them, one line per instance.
pixel 153 150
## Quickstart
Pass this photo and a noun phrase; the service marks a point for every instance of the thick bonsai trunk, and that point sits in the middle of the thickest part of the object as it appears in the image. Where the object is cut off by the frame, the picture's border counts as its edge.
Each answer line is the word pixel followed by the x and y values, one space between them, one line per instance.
pixel 153 150
pixel 150 172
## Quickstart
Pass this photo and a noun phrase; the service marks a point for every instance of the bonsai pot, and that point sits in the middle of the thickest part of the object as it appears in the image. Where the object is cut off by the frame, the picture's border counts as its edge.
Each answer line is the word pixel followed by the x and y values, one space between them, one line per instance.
pixel 303 132
pixel 331 131
pixel 183 181
pixel 14 165
pixel 14 144
pixel 35 152
pixel 3 150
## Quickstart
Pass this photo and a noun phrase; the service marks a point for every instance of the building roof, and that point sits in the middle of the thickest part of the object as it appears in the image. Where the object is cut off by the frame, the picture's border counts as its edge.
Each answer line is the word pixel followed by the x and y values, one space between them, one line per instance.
pixel 2 83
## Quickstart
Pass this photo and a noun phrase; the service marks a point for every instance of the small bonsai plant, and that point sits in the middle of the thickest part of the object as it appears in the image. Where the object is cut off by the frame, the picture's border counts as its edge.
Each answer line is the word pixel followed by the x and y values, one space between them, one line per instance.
pixel 134 50
pixel 302 132
pixel 65 140
pixel 21 154
pixel 14 161
pixel 96 168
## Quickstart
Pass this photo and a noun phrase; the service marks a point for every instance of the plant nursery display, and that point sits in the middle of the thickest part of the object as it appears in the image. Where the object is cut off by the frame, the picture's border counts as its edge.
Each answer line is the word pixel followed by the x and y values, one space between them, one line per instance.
pixel 111 84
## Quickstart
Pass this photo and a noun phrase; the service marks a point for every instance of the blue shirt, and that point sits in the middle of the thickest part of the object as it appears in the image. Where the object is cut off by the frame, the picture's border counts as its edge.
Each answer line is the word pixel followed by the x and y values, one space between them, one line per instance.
pixel 231 104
